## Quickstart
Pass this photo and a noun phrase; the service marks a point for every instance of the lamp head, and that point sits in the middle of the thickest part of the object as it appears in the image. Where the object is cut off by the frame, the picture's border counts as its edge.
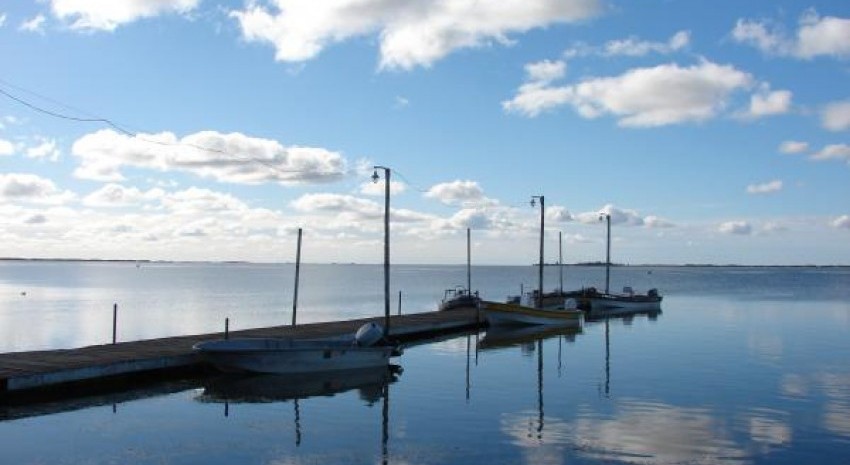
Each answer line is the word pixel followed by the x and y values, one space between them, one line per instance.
pixel 533 203
pixel 375 176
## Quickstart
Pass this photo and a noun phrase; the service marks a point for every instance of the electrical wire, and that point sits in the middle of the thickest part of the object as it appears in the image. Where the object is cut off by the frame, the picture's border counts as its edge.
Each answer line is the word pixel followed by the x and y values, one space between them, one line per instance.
pixel 136 135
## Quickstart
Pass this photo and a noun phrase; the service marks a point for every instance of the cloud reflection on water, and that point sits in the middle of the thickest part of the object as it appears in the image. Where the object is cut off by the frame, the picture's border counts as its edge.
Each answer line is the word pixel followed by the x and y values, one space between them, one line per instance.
pixel 640 432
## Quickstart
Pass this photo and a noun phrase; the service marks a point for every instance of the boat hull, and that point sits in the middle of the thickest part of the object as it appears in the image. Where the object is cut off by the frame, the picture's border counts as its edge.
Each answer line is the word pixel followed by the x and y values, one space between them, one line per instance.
pixel 620 305
pixel 288 356
pixel 502 314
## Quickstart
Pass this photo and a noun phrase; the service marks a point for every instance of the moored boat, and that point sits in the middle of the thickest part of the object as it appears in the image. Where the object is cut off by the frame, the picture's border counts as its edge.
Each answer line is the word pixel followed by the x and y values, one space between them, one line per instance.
pixel 507 314
pixel 289 356
pixel 459 297
pixel 622 303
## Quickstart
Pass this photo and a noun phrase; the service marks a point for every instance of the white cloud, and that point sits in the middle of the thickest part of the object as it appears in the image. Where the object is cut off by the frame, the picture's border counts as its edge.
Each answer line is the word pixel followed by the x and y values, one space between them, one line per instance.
pixel 197 201
pixel 618 216
pixel 337 203
pixel 545 71
pixel 816 36
pixel 793 147
pixel 641 97
pixel 106 15
pixel 653 221
pixel 833 152
pixel 741 228
pixel 631 46
pixel 29 188
pixel 116 195
pixel 766 103
pixel 2 19
pixel 411 34
pixel 35 24
pixel 6 147
pixel 836 116
pixel 842 222
pixel 558 214
pixel 233 157
pixel 457 192
pixel 636 47
pixel 45 150
pixel 765 188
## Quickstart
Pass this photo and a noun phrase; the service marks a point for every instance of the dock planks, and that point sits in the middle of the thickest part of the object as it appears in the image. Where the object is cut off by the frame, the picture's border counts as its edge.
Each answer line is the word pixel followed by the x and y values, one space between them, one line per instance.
pixel 27 371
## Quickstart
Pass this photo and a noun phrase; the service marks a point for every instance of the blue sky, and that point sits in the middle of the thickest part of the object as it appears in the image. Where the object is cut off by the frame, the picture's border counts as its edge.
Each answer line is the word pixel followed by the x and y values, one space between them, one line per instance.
pixel 712 132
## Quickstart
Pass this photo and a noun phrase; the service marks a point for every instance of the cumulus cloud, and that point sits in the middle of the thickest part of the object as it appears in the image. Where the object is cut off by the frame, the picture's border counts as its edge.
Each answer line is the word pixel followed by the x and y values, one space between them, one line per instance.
pixel 765 188
pixel 653 221
pixel 741 228
pixel 631 46
pixel 457 192
pixel 766 102
pixel 793 147
pixel 29 188
pixel 636 47
pixel 641 97
pixel 196 200
pixel 833 152
pixel 410 34
pixel 558 214
pixel 836 116
pixel 46 150
pixel 6 147
pixel 618 216
pixel 233 157
pixel 107 15
pixel 35 24
pixel 116 195
pixel 2 19
pixel 337 203
pixel 815 36
pixel 842 222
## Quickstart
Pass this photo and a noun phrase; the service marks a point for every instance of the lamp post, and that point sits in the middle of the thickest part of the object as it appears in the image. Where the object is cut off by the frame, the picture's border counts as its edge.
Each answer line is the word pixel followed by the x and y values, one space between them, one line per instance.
pixel 540 270
pixel 375 178
pixel 607 218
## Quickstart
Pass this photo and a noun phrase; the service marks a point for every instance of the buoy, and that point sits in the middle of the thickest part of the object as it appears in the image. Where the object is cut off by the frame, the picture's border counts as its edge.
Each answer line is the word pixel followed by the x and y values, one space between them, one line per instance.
pixel 368 334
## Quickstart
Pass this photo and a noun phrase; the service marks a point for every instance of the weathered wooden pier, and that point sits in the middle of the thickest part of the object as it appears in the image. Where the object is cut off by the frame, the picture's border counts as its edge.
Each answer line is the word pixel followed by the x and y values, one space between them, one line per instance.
pixel 25 375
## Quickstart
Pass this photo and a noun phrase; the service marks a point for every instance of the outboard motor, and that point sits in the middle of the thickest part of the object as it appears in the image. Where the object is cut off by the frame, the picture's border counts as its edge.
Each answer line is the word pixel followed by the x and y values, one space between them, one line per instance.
pixel 368 334
pixel 652 292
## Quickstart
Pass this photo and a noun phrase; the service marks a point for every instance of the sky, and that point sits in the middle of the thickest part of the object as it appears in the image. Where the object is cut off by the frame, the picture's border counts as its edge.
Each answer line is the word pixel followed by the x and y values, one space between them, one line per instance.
pixel 710 132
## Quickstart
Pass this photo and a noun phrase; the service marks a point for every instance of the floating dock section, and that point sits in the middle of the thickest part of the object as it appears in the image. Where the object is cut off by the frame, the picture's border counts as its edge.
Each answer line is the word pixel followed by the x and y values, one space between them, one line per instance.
pixel 73 371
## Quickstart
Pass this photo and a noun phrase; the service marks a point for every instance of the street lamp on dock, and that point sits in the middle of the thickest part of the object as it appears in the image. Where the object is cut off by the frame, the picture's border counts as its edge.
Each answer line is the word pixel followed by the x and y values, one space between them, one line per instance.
pixel 375 179
pixel 540 270
pixel 607 218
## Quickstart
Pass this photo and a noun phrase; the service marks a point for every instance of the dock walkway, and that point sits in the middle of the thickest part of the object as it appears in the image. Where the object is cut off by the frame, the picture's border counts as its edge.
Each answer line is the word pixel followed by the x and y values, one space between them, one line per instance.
pixel 51 369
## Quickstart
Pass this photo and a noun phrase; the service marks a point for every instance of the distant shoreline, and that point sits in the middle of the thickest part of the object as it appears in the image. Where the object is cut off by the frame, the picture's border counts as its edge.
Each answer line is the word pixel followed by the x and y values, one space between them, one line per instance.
pixel 245 262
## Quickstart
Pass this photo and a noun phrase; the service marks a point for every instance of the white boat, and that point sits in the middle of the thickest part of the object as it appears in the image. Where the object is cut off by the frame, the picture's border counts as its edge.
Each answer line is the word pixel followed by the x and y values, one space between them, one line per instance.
pixel 624 303
pixel 507 314
pixel 294 356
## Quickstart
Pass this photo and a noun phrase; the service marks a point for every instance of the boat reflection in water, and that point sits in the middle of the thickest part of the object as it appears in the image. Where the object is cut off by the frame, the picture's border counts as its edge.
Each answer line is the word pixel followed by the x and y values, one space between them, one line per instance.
pixel 262 388
pixel 511 336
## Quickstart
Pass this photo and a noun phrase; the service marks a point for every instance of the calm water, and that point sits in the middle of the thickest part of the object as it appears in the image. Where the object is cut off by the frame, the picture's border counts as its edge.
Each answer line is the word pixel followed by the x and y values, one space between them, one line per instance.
pixel 744 366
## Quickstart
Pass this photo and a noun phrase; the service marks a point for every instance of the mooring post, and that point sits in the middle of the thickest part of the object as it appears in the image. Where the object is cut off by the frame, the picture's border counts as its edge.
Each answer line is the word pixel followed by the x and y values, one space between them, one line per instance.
pixel 227 328
pixel 297 272
pixel 114 322
pixel 399 302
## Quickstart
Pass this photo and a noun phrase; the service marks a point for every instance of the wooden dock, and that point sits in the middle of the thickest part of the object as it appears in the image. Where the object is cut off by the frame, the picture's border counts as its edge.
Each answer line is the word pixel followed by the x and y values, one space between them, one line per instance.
pixel 85 368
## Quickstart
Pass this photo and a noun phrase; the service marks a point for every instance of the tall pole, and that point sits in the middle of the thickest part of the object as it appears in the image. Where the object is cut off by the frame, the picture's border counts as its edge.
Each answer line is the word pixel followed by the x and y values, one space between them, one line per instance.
pixel 297 274
pixel 608 253
pixel 386 245
pixel 468 263
pixel 540 270
pixel 560 264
